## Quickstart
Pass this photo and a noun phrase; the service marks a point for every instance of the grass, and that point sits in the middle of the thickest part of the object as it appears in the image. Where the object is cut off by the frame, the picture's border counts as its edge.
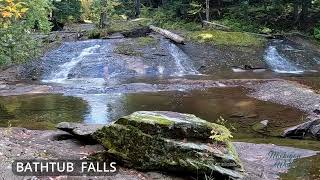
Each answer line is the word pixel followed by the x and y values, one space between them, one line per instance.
pixel 97 34
pixel 145 41
pixel 127 49
pixel 218 37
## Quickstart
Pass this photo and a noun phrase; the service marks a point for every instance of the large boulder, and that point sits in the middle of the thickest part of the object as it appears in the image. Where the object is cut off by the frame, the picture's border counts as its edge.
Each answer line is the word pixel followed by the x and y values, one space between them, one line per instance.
pixel 81 131
pixel 170 141
pixel 311 128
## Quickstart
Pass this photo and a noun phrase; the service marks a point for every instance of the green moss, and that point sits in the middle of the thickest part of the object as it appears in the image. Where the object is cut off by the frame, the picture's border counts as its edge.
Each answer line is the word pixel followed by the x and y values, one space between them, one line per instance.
pixel 220 133
pixel 151 119
pixel 146 152
pixel 127 49
pixel 145 41
pixel 97 34
pixel 225 38
pixel 232 150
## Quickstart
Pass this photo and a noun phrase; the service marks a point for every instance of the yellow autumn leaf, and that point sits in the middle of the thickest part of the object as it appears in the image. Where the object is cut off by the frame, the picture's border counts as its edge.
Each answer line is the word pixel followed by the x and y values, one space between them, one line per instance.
pixel 23 10
pixel 6 14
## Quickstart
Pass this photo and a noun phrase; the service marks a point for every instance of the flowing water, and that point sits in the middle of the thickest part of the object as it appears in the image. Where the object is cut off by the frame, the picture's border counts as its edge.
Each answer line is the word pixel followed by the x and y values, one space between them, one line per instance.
pixel 182 61
pixel 279 63
pixel 286 57
pixel 98 86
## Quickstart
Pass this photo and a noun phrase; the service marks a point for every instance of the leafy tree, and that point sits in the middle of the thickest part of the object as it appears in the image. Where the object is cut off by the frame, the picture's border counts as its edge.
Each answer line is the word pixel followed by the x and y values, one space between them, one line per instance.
pixel 17 19
pixel 67 11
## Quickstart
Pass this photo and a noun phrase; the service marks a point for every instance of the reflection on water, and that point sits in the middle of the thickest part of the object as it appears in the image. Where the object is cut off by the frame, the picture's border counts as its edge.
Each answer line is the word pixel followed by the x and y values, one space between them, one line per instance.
pixel 40 111
pixel 103 108
pixel 230 103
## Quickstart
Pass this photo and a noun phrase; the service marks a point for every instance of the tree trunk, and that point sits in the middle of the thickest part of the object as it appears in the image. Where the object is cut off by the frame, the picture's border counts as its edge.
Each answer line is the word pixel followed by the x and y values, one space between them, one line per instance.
pixel 103 14
pixel 174 37
pixel 296 11
pixel 137 8
pixel 306 4
pixel 163 2
pixel 208 10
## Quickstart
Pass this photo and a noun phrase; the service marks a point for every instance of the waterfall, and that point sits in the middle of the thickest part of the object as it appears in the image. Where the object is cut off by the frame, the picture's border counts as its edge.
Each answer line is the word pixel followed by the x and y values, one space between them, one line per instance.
pixel 279 63
pixel 65 68
pixel 182 61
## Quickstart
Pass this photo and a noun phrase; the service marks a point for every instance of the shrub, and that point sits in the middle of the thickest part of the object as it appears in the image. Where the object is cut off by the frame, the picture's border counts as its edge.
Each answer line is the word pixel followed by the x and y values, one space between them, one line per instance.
pixel 67 11
pixel 17 19
pixel 317 32
pixel 220 133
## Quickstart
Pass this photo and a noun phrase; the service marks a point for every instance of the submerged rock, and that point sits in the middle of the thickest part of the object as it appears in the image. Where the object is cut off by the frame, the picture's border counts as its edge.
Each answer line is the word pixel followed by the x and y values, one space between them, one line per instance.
pixel 261 126
pixel 171 142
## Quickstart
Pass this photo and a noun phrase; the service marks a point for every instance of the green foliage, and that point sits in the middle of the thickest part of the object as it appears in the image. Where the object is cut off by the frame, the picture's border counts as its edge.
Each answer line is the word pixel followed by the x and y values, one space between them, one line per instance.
pixel 16 42
pixel 123 25
pixel 37 14
pixel 220 133
pixel 16 45
pixel 97 34
pixel 169 19
pixel 317 32
pixel 67 10
pixel 116 9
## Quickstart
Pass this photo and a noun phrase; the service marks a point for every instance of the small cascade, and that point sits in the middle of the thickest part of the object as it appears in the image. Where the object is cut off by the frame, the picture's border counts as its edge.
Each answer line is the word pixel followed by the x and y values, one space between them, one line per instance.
pixel 279 63
pixel 182 61
pixel 64 69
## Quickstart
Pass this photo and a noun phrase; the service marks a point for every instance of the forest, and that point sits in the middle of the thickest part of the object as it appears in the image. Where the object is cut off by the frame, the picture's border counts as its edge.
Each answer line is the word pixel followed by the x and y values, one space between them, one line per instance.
pixel 160 89
pixel 21 18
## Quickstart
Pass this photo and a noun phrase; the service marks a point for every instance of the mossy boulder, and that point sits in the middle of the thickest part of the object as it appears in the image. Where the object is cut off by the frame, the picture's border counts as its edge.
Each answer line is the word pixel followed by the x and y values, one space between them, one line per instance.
pixel 170 141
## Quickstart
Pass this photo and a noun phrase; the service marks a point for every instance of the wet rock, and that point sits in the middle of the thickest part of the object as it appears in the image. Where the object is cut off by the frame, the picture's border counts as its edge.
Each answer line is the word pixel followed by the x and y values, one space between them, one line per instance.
pixel 81 131
pixel 310 128
pixel 170 141
pixel 261 126
pixel 243 115
pixel 115 36
pixel 317 111
pixel 287 93
pixel 248 68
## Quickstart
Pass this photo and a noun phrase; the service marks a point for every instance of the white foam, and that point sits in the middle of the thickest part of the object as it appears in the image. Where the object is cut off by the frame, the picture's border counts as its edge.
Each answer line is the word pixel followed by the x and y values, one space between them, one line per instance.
pixel 62 75
pixel 280 64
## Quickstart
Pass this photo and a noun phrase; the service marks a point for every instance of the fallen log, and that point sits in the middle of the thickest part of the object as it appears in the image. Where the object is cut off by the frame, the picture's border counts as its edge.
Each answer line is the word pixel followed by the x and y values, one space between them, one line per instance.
pixel 213 24
pixel 174 37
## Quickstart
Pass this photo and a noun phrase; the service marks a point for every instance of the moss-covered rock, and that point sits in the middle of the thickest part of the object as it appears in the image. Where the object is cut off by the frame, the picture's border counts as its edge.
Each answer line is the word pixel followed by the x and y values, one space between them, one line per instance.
pixel 169 141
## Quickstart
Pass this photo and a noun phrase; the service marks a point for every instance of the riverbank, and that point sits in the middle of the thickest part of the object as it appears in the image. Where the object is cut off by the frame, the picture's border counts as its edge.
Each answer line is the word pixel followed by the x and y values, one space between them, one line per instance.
pixel 99 80
pixel 19 143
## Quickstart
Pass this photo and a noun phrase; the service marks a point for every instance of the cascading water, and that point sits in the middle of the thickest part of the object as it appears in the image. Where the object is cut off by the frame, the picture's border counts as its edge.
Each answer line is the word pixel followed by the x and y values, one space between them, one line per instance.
pixel 65 68
pixel 182 61
pixel 86 68
pixel 279 63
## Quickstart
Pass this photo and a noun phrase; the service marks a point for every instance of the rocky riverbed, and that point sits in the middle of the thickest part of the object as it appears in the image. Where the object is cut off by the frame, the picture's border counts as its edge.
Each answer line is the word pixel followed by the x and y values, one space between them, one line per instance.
pixel 99 81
